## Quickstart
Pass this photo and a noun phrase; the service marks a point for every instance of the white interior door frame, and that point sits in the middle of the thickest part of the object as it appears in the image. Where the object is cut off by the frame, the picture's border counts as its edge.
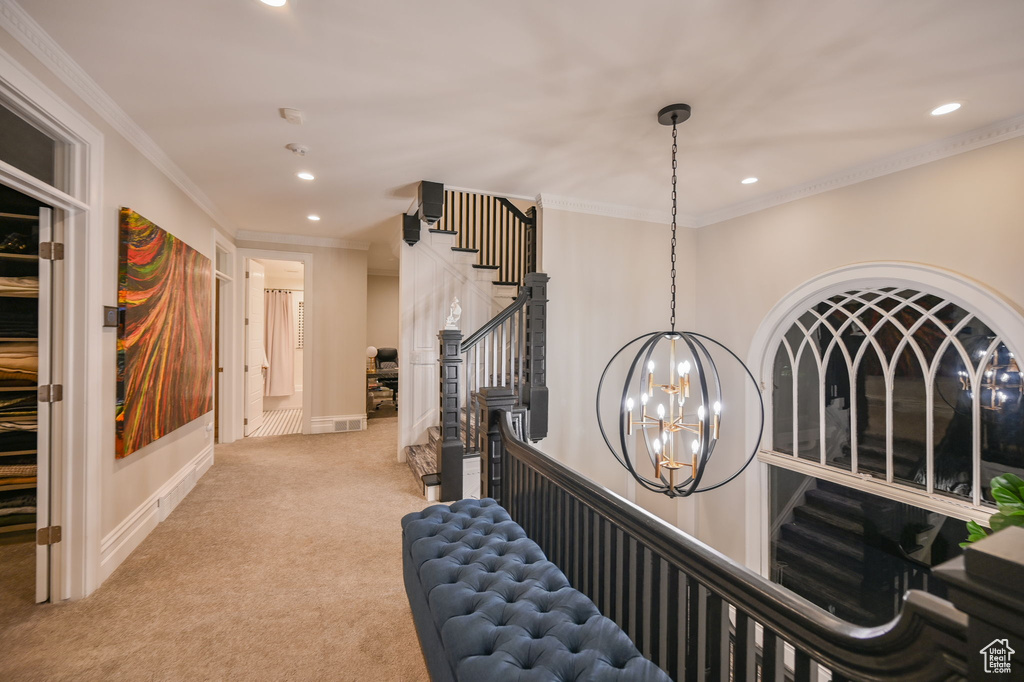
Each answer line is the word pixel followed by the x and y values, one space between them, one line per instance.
pixel 255 344
pixel 230 401
pixel 309 324
pixel 75 484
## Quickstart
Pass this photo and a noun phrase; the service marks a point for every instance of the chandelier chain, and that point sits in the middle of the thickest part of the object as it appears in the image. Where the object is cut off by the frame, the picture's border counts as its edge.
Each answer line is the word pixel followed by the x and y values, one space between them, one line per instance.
pixel 675 147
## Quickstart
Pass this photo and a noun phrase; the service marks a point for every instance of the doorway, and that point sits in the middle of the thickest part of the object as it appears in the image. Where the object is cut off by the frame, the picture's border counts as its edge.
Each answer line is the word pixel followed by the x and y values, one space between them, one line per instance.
pixel 277 361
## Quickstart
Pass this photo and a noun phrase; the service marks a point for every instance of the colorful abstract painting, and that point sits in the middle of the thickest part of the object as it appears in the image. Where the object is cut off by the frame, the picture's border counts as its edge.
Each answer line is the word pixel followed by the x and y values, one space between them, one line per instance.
pixel 165 334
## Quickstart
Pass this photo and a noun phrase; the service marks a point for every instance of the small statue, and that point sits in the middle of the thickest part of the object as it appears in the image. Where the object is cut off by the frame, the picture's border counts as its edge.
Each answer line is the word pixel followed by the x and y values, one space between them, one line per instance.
pixel 454 313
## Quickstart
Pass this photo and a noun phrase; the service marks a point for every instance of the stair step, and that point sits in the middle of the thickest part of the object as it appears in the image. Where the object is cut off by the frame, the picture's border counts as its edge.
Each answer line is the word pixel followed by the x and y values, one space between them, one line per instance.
pixel 828 570
pixel 808 536
pixel 876 502
pixel 835 502
pixel 825 595
pixel 434 434
pixel 422 460
pixel 829 522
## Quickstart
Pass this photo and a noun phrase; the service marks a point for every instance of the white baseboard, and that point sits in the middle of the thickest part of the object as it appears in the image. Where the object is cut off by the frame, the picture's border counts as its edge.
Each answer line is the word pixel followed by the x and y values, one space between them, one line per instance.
pixel 338 423
pixel 123 540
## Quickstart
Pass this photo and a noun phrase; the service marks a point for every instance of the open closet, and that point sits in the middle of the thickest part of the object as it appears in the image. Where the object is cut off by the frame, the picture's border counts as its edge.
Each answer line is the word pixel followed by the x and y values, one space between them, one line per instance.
pixel 24 352
pixel 31 268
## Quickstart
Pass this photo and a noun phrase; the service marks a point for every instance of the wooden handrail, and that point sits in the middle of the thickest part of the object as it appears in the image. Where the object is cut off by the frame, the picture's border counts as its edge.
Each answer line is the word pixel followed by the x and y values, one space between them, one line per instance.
pixel 927 641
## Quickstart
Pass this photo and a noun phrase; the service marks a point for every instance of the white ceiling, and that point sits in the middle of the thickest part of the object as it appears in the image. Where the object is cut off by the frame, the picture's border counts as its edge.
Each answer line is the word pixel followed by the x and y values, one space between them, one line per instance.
pixel 529 96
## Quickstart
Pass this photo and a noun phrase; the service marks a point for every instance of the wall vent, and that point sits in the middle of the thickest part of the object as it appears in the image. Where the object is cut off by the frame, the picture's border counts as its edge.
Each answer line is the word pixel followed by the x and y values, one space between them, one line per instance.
pixel 167 503
pixel 348 424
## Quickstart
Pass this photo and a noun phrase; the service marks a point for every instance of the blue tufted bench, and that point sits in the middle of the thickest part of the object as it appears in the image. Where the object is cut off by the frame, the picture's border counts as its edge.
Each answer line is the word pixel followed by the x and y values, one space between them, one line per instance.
pixel 489 606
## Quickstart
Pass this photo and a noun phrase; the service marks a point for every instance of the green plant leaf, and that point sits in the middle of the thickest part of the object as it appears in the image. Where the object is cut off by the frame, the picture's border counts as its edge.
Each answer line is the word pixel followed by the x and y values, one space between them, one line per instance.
pixel 1000 521
pixel 976 528
pixel 1006 499
pixel 1010 485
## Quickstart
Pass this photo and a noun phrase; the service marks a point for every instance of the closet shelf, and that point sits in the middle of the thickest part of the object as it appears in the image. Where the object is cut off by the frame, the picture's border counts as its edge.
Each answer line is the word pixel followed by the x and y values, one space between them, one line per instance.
pixel 11 453
pixel 18 339
pixel 17 486
pixel 19 256
pixel 9 295
pixel 17 527
pixel 15 389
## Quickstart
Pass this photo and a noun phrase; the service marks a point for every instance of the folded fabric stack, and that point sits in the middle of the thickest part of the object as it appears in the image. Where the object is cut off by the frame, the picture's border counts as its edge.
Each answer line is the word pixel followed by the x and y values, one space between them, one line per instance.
pixel 23 424
pixel 18 405
pixel 19 364
pixel 17 507
pixel 19 286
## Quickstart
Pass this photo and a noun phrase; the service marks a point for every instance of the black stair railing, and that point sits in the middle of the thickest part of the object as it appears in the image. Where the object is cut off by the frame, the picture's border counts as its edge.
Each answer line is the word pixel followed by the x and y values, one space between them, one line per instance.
pixel 503 236
pixel 701 616
pixel 509 352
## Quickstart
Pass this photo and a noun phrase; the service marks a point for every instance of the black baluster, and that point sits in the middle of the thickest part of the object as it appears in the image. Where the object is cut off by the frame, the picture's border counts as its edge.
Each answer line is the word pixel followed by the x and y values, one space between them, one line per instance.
pixel 696 633
pixel 654 621
pixel 673 664
pixel 639 598
pixel 806 669
pixel 773 658
pixel 745 656
pixel 718 639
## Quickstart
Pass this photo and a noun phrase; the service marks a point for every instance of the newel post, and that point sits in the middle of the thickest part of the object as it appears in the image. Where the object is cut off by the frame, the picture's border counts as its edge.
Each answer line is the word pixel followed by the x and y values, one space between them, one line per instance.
pixel 493 403
pixel 536 390
pixel 450 447
pixel 987 583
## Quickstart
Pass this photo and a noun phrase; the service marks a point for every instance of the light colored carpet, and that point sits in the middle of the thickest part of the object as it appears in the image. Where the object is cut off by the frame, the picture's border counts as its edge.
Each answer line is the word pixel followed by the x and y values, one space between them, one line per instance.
pixel 284 563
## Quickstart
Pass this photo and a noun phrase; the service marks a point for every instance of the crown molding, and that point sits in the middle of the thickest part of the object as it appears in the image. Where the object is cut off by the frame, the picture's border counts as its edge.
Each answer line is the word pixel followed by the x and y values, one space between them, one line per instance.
pixel 484 192
pixel 31 35
pixel 933 151
pixel 561 203
pixel 301 240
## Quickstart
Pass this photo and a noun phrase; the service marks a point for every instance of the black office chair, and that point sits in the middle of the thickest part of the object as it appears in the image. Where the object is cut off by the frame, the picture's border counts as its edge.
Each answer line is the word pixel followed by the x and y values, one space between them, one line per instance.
pixel 387 359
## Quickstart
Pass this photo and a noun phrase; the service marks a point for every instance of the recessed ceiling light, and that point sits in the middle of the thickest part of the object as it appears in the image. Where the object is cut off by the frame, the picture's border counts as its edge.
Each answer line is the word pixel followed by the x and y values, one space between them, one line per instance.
pixel 314 218
pixel 945 109
pixel 274 3
pixel 306 175
pixel 748 181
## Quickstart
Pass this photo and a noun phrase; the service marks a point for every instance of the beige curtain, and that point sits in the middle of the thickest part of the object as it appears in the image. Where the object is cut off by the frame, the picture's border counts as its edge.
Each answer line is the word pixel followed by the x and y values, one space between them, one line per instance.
pixel 279 340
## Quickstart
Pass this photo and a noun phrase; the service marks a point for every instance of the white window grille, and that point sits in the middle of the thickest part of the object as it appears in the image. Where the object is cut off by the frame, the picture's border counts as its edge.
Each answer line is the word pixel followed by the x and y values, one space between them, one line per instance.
pixel 301 331
pixel 898 385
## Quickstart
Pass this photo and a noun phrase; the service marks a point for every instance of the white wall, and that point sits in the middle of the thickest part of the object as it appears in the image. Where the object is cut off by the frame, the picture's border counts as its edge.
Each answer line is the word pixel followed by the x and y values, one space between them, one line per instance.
pixel 382 311
pixel 963 214
pixel 128 488
pixel 609 284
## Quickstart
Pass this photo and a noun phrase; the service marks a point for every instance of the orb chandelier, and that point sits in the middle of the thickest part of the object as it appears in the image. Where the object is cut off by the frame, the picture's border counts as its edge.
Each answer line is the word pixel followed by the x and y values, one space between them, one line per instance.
pixel 672 411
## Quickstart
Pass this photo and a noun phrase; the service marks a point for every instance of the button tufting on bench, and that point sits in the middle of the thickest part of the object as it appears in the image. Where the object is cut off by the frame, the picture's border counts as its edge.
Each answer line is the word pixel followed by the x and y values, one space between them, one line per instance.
pixel 500 607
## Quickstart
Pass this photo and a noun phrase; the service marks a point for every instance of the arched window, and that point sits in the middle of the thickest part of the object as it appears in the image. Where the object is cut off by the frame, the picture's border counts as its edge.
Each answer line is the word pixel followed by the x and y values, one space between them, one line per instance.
pixel 900 385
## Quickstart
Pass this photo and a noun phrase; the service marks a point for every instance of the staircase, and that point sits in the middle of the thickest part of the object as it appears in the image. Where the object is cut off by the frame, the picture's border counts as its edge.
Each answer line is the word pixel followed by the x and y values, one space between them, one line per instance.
pixel 485 245
pixel 829 553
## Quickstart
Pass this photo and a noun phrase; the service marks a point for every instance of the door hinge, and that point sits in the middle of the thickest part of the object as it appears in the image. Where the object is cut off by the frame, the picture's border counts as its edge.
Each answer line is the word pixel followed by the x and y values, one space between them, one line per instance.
pixel 51 393
pixel 247 368
pixel 48 536
pixel 245 422
pixel 247 274
pixel 51 250
pixel 247 320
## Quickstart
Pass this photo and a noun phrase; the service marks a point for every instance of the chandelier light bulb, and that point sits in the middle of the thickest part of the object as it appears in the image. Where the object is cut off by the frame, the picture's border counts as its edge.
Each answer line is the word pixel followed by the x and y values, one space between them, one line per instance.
pixel 629 404
pixel 656 445
pixel 661 411
pixel 686 367
pixel 717 407
pixel 695 446
pixel 644 398
pixel 700 413
pixel 650 365
pixel 681 369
